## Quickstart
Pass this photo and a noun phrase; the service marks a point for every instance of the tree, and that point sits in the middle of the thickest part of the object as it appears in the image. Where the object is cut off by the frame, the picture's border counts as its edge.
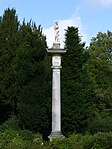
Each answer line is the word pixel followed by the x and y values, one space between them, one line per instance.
pixel 76 87
pixel 99 67
pixel 32 76
pixel 8 44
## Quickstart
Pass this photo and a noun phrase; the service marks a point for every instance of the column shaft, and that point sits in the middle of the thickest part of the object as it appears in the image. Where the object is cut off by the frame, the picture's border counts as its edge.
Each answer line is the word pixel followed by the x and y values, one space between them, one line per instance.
pixel 56 103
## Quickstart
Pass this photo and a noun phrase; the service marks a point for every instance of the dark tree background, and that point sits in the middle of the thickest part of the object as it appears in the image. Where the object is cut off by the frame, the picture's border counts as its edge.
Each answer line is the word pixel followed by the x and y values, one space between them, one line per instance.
pixel 32 77
pixel 76 87
pixel 8 44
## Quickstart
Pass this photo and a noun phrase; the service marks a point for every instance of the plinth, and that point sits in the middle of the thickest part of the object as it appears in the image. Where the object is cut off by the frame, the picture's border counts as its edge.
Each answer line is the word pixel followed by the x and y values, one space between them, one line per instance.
pixel 56 53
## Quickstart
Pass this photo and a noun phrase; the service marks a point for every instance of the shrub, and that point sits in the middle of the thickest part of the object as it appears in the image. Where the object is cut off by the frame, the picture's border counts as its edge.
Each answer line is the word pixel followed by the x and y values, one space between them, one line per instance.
pixel 11 139
pixel 99 141
pixel 11 123
pixel 78 141
pixel 60 144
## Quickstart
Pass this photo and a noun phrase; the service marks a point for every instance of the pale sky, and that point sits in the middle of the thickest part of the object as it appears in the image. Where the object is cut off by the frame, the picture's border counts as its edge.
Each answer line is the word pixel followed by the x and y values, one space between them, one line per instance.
pixel 91 16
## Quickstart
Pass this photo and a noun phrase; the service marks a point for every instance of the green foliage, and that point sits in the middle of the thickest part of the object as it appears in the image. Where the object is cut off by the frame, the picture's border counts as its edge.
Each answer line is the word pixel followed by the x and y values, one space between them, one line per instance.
pixel 9 42
pixel 99 141
pixel 11 123
pixel 11 136
pixel 24 73
pixel 60 144
pixel 32 78
pixel 78 141
pixel 15 138
pixel 99 66
pixel 20 139
pixel 76 86
pixel 101 125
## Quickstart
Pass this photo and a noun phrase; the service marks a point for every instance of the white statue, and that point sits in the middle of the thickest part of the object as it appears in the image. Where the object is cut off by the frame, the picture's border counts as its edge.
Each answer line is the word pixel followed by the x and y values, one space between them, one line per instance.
pixel 56 31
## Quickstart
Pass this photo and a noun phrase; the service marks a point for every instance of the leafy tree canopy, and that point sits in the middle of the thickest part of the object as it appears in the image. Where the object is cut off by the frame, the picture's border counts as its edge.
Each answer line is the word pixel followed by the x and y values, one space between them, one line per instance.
pixel 99 68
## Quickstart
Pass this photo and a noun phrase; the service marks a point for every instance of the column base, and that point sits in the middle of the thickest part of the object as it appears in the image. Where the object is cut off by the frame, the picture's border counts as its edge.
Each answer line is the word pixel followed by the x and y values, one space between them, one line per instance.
pixel 56 134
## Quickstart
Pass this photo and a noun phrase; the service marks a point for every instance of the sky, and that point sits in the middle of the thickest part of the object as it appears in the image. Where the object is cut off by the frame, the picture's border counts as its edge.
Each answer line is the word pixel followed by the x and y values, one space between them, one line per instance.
pixel 90 16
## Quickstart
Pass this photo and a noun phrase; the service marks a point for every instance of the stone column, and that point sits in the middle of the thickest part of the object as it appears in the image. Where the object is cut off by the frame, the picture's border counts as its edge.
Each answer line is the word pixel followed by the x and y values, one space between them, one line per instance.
pixel 56 53
pixel 56 115
pixel 56 98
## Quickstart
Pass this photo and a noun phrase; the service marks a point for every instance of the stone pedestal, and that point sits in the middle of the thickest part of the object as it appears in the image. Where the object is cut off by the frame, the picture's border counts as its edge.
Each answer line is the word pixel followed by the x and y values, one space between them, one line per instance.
pixel 56 53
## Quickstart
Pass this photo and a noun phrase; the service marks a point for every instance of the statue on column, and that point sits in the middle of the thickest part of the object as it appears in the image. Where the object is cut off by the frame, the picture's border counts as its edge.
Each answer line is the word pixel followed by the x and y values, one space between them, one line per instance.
pixel 56 31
